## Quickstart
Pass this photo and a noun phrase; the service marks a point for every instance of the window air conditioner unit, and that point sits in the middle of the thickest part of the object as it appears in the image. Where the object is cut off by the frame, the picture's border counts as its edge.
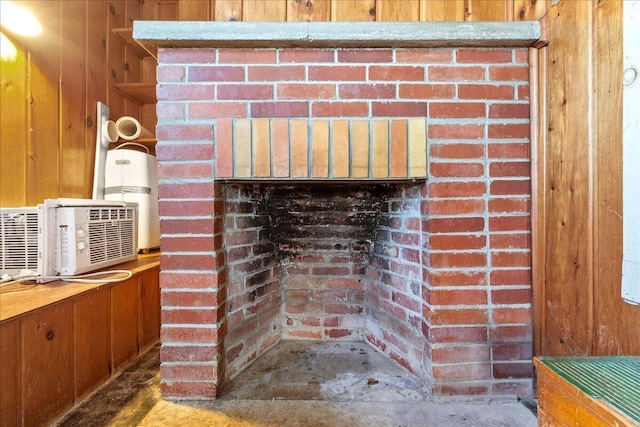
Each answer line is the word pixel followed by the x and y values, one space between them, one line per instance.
pixel 18 240
pixel 81 235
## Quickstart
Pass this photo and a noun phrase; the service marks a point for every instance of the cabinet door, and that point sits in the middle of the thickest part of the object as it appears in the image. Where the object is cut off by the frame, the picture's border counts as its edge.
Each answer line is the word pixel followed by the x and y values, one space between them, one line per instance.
pixel 10 373
pixel 124 321
pixel 149 308
pixel 93 343
pixel 47 363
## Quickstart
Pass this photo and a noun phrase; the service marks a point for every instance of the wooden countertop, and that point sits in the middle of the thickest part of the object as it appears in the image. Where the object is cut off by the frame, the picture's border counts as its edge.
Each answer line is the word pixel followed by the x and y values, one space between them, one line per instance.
pixel 19 299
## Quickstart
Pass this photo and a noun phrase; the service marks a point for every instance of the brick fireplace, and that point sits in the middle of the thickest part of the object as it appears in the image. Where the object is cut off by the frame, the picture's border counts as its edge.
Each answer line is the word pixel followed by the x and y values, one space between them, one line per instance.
pixel 363 189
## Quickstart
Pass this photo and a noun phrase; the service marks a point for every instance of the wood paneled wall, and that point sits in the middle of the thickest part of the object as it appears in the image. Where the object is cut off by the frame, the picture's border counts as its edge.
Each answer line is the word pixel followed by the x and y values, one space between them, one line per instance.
pixel 579 180
pixel 49 93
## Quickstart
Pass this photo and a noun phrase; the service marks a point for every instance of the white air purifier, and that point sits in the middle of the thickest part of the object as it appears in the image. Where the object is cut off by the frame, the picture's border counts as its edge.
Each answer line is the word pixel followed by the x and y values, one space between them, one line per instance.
pixel 131 176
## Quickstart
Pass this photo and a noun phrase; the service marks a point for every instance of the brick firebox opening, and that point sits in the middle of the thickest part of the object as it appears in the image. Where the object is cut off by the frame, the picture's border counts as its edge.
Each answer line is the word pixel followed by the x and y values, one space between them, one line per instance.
pixel 261 244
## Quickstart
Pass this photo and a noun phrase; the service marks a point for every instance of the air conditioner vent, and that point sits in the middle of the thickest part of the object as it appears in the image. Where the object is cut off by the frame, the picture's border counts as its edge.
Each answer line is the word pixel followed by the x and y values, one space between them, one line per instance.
pixel 111 233
pixel 18 239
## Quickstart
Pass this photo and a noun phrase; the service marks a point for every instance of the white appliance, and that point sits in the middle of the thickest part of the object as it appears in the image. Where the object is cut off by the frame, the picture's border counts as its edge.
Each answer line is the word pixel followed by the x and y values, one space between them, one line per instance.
pixel 76 236
pixel 127 175
pixel 18 240
pixel 131 176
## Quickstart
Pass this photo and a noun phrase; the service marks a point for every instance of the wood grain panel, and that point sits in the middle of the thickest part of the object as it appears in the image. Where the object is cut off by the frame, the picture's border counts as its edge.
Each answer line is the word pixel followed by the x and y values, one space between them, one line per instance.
pixel 44 112
pixel 73 159
pixel 568 293
pixel 616 322
pixel 95 79
pixel 486 10
pixel 47 364
pixel 310 10
pixel 115 58
pixel 353 10
pixel 269 11
pixel 132 61
pixel 92 341
pixel 194 10
pixel 538 85
pixel 124 322
pixel 528 10
pixel 398 10
pixel 149 308
pixel 435 10
pixel 159 10
pixel 228 10
pixel 11 369
pixel 13 132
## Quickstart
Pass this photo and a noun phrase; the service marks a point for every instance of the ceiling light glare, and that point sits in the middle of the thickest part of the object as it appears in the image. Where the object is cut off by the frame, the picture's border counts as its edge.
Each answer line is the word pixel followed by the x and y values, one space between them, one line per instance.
pixel 18 19
pixel 8 52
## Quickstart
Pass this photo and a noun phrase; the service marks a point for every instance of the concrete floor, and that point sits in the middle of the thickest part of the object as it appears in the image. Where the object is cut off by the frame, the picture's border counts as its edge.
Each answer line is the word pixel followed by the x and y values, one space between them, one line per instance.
pixel 296 383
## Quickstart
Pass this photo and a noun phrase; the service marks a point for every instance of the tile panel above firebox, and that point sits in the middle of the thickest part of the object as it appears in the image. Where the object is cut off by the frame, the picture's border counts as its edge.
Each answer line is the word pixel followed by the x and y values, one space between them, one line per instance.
pixel 340 149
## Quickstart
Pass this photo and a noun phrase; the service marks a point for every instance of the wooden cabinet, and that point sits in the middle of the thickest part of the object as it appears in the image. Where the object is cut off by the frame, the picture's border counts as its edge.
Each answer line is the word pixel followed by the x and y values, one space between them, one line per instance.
pixel 10 395
pixel 47 376
pixel 61 341
pixel 149 309
pixel 92 341
pixel 124 323
pixel 588 391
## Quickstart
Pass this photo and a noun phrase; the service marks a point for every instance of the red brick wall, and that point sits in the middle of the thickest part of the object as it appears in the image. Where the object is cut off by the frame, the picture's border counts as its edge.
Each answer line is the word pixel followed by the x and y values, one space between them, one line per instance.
pixel 393 285
pixel 324 235
pixel 254 294
pixel 448 280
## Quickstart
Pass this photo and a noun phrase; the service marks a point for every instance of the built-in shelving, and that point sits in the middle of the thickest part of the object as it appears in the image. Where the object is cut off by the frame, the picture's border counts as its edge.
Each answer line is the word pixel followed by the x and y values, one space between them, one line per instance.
pixel 141 92
pixel 125 35
pixel 144 93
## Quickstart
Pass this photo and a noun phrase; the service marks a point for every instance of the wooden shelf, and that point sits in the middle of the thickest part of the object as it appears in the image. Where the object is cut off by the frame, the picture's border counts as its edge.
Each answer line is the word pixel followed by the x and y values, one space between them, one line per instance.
pixel 144 93
pixel 126 36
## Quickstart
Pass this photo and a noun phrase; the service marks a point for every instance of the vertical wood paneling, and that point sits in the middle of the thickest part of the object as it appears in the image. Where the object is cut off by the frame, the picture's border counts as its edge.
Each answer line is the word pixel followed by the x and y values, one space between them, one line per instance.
pixel 73 44
pixel 568 290
pixel 13 132
pixel 95 80
pixel 530 10
pixel 124 322
pixel 398 10
pixel 616 322
pixel 487 10
pixel 228 10
pixel 269 11
pixel 132 62
pixel 435 10
pixel 47 338
pixel 538 84
pixel 115 58
pixel 149 308
pixel 353 10
pixel 159 10
pixel 92 342
pixel 193 10
pixel 44 112
pixel 11 369
pixel 311 10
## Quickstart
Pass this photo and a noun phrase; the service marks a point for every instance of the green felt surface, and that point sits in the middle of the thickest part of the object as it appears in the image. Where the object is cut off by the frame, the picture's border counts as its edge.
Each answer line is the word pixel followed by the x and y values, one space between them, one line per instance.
pixel 614 380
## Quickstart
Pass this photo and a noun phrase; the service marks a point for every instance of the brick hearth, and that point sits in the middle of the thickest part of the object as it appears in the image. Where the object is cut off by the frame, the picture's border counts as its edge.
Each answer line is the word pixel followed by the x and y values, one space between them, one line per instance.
pixel 435 273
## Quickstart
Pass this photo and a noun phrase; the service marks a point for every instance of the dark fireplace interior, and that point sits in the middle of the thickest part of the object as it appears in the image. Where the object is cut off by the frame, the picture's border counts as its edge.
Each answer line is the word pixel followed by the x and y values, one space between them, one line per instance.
pixel 323 261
